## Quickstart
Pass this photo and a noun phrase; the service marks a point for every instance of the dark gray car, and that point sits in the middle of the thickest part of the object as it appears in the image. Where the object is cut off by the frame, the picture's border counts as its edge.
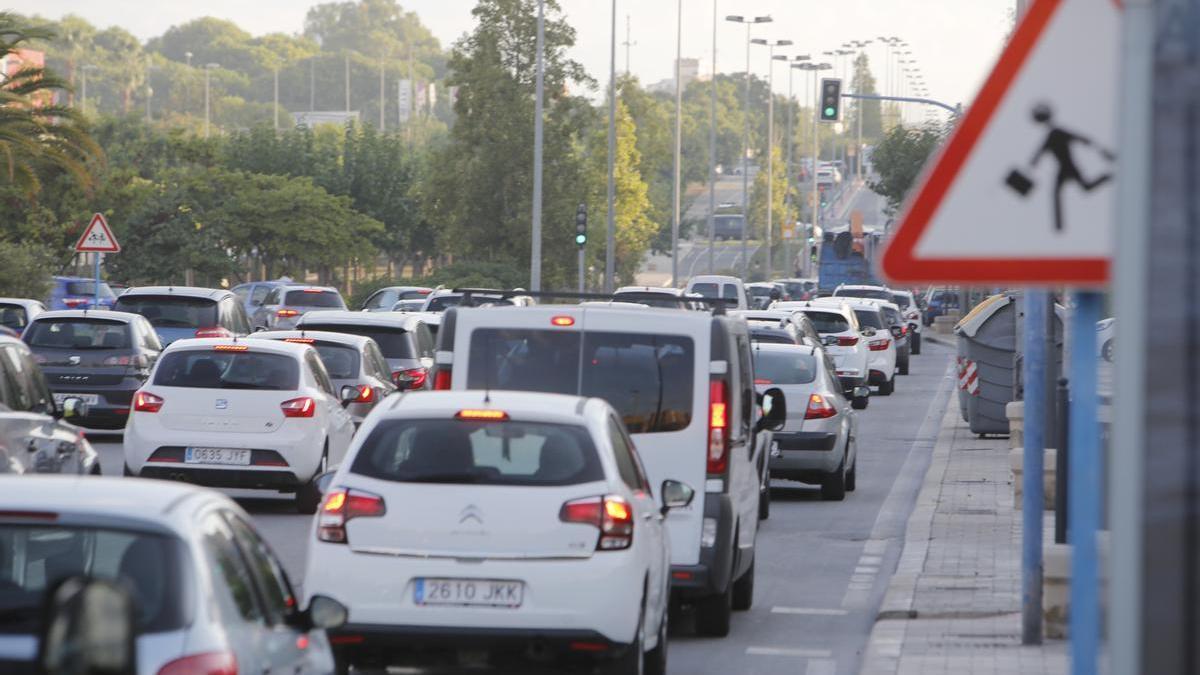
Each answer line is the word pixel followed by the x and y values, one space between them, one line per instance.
pixel 404 339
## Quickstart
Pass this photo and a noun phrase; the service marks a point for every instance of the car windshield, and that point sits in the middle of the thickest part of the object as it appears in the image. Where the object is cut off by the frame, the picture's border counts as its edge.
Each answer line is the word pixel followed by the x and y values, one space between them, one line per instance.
pixel 78 334
pixel 777 366
pixel 33 558
pixel 170 311
pixel 479 453
pixel 395 343
pixel 341 361
pixel 869 318
pixel 648 379
pixel 408 306
pixel 705 289
pixel 14 317
pixel 314 298
pixel 828 322
pixel 89 288
pixel 869 293
pixel 413 295
pixel 901 300
pixel 893 317
pixel 212 369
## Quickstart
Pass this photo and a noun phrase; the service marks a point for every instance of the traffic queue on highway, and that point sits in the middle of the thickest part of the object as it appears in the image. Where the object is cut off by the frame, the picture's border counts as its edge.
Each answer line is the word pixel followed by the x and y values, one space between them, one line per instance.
pixel 496 477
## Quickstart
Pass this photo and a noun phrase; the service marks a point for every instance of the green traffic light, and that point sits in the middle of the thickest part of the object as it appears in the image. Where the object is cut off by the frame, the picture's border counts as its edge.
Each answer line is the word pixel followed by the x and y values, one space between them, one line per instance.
pixel 830 112
pixel 580 239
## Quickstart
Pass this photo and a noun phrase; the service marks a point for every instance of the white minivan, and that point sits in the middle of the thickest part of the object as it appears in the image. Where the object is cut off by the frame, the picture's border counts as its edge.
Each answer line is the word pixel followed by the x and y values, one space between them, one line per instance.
pixel 683 384
pixel 720 286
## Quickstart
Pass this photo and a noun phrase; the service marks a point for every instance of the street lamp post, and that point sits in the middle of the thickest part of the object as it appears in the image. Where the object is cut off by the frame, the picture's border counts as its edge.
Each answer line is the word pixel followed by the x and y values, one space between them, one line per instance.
pixel 791 132
pixel 610 248
pixel 771 145
pixel 678 159
pixel 749 21
pixel 535 260
pixel 275 107
pixel 208 68
pixel 712 145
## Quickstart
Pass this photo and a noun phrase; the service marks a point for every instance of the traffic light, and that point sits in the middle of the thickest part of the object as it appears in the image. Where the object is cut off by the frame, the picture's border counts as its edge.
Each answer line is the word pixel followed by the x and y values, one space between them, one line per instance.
pixel 581 225
pixel 831 99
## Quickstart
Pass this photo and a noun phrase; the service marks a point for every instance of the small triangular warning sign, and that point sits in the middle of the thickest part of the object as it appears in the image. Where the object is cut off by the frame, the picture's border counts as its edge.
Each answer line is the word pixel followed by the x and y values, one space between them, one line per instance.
pixel 97 237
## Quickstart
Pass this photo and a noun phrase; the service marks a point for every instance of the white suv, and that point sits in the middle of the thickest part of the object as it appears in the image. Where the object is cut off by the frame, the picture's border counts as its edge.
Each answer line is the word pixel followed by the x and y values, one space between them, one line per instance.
pixel 257 414
pixel 496 526
pixel 839 328
pixel 911 311
pixel 882 365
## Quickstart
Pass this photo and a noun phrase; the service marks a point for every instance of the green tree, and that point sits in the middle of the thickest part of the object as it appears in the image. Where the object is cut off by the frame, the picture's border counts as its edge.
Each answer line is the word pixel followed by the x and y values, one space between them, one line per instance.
pixel 635 230
pixel 872 118
pixel 26 270
pixel 758 198
pixel 899 158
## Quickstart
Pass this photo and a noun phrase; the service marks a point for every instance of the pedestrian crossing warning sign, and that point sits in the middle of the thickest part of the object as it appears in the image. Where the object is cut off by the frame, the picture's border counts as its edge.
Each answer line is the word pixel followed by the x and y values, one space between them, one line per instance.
pixel 97 237
pixel 1022 192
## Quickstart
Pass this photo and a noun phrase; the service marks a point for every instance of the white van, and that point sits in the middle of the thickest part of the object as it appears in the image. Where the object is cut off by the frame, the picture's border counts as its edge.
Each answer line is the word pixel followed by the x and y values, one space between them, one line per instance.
pixel 719 286
pixel 682 382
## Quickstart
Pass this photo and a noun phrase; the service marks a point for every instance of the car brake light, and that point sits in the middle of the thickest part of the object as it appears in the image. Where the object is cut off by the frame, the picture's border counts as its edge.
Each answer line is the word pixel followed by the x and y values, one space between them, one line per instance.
pixel 718 427
pixel 484 415
pixel 612 515
pixel 312 290
pixel 762 381
pixel 230 348
pixel 286 313
pixel 214 332
pixel 847 341
pixel 878 345
pixel 563 321
pixel 135 360
pixel 209 663
pixel 144 401
pixel 819 408
pixel 441 379
pixel 299 407
pixel 412 378
pixel 74 302
pixel 340 507
pixel 303 341
pixel 366 394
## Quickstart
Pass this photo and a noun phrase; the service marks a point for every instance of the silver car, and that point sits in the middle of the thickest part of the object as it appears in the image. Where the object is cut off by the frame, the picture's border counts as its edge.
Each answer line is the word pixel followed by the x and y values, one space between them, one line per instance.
pixel 352 361
pixel 286 304
pixel 818 443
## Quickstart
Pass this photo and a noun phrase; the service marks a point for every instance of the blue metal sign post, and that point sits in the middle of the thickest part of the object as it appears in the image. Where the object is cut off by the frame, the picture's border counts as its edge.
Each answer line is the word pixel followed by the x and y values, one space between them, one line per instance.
pixel 1036 326
pixel 1084 478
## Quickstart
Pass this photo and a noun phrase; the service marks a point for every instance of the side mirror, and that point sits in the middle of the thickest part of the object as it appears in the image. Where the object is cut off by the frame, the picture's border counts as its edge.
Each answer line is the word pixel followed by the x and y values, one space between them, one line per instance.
pixel 774 407
pixel 676 495
pixel 323 481
pixel 323 613
pixel 860 396
pixel 74 408
pixel 913 326
pixel 897 332
pixel 89 628
pixel 259 329
pixel 348 394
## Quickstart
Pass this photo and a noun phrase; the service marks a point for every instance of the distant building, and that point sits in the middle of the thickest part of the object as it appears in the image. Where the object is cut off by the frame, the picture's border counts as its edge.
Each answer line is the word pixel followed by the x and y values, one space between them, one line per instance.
pixel 315 118
pixel 689 71
pixel 11 64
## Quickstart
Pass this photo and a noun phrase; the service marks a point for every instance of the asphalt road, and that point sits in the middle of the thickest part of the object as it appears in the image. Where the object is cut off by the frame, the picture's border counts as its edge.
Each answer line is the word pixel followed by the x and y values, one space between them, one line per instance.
pixel 822 567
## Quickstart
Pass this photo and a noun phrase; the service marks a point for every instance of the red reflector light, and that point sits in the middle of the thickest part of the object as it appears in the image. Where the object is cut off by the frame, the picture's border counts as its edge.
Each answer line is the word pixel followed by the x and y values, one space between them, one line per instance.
pixel 563 321
pixel 588 647
pixel 682 576
pixel 441 379
pixel 230 348
pixel 313 290
pixel 214 332
pixel 211 663
pixel 144 401
pixel 74 302
pixel 847 341
pixel 878 345
pixel 483 415
pixel 819 408
pixel 303 341
pixel 29 515
pixel 287 313
pixel 299 407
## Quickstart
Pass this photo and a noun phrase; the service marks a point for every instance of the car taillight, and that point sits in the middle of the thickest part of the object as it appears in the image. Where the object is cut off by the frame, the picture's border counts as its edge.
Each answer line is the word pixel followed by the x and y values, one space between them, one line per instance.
pixel 287 313
pixel 412 378
pixel 144 401
pixel 209 663
pixel 904 330
pixel 214 332
pixel 340 507
pixel 366 394
pixel 299 407
pixel 844 341
pixel 441 379
pixel 75 302
pixel 136 360
pixel 819 408
pixel 718 427
pixel 878 345
pixel 612 515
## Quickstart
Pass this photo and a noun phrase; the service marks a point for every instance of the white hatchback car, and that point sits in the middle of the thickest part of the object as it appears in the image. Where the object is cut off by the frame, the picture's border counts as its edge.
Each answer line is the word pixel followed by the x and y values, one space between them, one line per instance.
pixel 492 528
pixel 256 414
pixel 839 329
pixel 882 362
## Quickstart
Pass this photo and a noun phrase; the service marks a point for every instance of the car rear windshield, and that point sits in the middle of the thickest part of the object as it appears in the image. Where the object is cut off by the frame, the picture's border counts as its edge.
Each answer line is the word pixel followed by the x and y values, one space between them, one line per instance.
pixel 893 317
pixel 78 334
pixel 89 288
pixel 170 311
pixel 777 366
pixel 14 317
pixel 771 335
pixel 828 322
pixel 313 298
pixel 901 300
pixel 729 292
pixel 654 300
pixel 35 558
pixel 478 453
pixel 649 379
pixel 869 318
pixel 413 295
pixel 395 343
pixel 759 291
pixel 869 293
pixel 211 369
pixel 341 361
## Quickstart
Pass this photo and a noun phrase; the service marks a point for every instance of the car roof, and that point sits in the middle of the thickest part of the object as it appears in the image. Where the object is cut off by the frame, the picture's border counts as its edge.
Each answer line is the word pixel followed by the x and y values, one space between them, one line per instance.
pixel 863 303
pixel 404 288
pixel 762 284
pixel 661 290
pixel 518 404
pixel 880 303
pixel 273 346
pixel 184 291
pixel 763 314
pixel 661 319
pixel 306 287
pixel 782 347
pixel 21 301
pixel 348 339
pixel 339 317
pixel 862 287
pixel 107 315
pixel 101 498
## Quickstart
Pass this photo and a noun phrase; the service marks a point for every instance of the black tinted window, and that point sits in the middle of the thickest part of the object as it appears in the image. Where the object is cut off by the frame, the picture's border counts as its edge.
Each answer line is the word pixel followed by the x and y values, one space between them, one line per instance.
pixel 395 343
pixel 707 290
pixel 828 322
pixel 784 367
pixel 893 317
pixel 772 336
pixel 868 318
pixel 341 361
pixel 525 360
pixel 79 334
pixel 163 311
pixel 654 300
pixel 211 369
pixel 383 299
pixel 901 300
pixel 311 298
pixel 873 294
pixel 479 453
pixel 13 316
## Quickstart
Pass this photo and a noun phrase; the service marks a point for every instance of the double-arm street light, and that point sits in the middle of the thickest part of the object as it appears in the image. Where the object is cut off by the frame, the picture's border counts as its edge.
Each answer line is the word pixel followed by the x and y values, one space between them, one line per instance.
pixel 791 132
pixel 750 22
pixel 771 45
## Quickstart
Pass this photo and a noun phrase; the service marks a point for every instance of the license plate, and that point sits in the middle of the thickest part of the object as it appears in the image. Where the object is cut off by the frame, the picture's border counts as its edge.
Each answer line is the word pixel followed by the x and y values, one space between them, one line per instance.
pixel 469 592
pixel 217 456
pixel 90 399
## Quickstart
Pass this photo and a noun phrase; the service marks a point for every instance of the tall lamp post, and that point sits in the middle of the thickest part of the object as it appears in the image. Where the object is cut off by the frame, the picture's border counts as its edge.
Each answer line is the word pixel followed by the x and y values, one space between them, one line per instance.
pixel 208 68
pixel 750 22
pixel 535 257
pixel 712 144
pixel 610 247
pixel 791 132
pixel 771 45
pixel 678 159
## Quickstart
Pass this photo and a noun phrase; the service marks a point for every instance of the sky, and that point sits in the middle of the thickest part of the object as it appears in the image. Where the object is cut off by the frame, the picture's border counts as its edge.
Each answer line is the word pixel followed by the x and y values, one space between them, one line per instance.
pixel 954 42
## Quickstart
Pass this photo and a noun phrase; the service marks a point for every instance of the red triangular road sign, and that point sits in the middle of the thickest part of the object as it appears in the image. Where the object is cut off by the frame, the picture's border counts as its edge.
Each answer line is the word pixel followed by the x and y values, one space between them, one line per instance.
pixel 1022 191
pixel 97 237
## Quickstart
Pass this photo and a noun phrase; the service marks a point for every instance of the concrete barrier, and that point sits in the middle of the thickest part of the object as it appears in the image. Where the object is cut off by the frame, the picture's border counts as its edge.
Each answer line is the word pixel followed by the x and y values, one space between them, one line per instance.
pixel 1015 412
pixel 944 325
pixel 1016 458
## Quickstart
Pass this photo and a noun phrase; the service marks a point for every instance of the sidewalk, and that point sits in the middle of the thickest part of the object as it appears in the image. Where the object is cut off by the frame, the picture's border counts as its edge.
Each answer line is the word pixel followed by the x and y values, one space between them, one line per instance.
pixel 954 604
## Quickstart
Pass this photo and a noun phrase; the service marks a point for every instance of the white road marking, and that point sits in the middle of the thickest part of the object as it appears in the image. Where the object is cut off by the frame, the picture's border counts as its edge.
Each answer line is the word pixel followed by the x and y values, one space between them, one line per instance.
pixel 821 667
pixel 810 611
pixel 787 651
pixel 866 569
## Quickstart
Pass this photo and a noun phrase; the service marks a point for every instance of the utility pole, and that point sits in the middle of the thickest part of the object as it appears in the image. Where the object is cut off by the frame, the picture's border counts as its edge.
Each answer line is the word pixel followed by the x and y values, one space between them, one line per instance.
pixel 610 245
pixel 276 107
pixel 712 145
pixel 83 71
pixel 627 44
pixel 768 267
pixel 347 78
pixel 535 259
pixel 678 144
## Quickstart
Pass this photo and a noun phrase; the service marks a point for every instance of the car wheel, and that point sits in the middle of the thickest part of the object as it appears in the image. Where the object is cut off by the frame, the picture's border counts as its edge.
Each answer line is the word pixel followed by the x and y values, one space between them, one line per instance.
pixel 743 590
pixel 859 402
pixel 904 366
pixel 852 477
pixel 833 486
pixel 916 345
pixel 656 659
pixel 308 497
pixel 128 471
pixel 764 500
pixel 888 387
pixel 715 613
pixel 633 661
pixel 95 469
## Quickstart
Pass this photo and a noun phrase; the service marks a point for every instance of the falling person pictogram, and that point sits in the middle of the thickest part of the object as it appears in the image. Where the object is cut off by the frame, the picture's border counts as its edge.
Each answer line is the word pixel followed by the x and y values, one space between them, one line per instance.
pixel 1059 143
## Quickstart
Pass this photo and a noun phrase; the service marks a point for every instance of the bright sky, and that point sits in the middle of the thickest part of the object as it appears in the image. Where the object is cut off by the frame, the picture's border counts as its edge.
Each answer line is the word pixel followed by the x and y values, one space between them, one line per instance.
pixel 954 42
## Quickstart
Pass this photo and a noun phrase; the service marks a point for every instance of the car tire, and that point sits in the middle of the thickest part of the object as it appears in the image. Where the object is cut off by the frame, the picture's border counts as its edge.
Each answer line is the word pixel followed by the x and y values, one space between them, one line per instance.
pixel 903 365
pixel 860 402
pixel 308 497
pixel 833 486
pixel 888 387
pixel 656 659
pixel 852 477
pixel 715 613
pixel 743 590
pixel 764 500
pixel 633 661
pixel 916 344
pixel 128 471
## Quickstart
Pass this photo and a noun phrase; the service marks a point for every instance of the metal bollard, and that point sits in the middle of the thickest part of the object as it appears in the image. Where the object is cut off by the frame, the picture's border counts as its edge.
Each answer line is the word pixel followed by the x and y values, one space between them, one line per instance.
pixel 1061 462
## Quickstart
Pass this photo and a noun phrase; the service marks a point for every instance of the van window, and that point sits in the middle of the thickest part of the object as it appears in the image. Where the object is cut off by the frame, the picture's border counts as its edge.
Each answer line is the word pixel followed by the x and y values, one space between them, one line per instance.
pixel 869 318
pixel 707 290
pixel 383 299
pixel 167 311
pixel 828 322
pixel 648 379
